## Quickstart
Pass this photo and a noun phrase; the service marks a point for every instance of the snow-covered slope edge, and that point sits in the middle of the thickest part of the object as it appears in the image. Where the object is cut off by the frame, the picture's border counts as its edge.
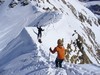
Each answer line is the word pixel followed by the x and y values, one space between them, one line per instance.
pixel 13 21
pixel 31 59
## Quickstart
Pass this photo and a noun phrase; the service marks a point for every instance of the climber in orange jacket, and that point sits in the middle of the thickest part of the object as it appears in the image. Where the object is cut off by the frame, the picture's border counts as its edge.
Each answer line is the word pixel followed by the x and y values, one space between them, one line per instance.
pixel 60 53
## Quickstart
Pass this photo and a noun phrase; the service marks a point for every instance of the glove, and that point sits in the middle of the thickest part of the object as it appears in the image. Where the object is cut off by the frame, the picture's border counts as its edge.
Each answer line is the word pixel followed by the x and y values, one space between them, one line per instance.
pixel 50 49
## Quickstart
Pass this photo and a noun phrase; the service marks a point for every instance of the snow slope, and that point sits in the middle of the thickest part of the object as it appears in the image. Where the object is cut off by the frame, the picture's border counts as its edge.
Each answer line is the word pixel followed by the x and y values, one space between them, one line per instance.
pixel 13 21
pixel 30 60
pixel 21 54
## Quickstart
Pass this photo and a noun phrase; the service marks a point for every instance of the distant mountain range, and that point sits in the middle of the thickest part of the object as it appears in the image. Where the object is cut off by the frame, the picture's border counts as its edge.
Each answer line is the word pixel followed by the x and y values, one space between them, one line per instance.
pixel 93 5
pixel 89 0
pixel 95 9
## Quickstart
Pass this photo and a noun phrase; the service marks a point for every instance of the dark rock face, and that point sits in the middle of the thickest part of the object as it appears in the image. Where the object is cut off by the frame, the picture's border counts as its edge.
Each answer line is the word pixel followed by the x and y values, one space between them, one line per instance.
pixel 95 9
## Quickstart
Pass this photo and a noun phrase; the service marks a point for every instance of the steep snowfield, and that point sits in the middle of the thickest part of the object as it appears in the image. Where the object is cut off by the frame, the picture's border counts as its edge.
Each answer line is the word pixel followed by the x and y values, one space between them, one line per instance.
pixel 22 54
pixel 14 20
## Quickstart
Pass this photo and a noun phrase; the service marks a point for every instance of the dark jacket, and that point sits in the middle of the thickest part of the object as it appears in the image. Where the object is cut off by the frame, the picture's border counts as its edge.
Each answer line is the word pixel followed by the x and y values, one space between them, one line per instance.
pixel 40 29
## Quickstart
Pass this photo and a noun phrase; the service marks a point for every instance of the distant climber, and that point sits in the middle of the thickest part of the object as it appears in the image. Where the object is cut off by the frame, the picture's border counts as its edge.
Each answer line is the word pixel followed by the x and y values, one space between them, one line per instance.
pixel 60 53
pixel 39 33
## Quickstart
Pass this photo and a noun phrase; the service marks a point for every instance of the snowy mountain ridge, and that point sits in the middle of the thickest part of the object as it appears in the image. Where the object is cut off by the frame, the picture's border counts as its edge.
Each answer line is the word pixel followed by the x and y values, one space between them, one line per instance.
pixel 33 64
pixel 22 54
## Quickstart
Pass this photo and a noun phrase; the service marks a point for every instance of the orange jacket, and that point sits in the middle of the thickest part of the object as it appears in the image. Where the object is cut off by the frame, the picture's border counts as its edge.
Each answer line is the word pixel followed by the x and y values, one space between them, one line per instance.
pixel 60 52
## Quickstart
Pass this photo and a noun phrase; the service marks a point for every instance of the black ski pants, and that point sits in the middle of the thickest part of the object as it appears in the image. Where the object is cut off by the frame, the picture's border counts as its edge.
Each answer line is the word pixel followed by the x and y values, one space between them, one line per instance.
pixel 58 62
